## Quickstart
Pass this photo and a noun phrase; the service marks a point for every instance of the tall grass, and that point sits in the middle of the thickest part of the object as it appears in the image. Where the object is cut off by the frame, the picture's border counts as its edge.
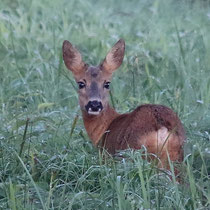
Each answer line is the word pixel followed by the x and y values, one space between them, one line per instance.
pixel 46 158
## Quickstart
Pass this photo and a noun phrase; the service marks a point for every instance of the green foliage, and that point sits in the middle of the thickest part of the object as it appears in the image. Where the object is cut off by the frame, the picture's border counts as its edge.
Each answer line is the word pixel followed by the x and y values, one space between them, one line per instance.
pixel 46 158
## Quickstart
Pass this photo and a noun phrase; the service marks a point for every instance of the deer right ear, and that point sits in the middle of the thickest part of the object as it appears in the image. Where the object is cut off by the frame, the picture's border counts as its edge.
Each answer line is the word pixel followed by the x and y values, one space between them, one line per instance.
pixel 72 58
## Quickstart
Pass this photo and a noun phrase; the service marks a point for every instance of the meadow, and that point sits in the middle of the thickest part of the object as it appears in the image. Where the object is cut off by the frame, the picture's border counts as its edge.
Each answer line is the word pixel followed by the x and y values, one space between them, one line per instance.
pixel 46 158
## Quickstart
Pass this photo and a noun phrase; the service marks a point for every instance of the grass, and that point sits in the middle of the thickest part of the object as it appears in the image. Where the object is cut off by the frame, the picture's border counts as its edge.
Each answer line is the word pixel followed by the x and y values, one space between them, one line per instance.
pixel 46 158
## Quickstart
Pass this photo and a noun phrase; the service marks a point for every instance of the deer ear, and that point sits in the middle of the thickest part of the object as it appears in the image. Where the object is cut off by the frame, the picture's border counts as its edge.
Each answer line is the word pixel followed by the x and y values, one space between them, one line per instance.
pixel 114 57
pixel 72 58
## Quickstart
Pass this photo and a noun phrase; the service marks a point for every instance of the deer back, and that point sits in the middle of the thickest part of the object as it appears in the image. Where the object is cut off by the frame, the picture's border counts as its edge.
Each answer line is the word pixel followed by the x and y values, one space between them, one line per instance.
pixel 148 125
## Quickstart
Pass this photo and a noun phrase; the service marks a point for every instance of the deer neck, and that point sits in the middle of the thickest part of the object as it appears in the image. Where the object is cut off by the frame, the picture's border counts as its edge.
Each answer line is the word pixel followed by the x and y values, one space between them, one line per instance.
pixel 96 125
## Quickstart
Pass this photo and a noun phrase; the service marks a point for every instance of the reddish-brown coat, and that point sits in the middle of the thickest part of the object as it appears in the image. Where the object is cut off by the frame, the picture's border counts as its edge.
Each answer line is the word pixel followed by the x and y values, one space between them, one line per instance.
pixel 156 127
pixel 140 127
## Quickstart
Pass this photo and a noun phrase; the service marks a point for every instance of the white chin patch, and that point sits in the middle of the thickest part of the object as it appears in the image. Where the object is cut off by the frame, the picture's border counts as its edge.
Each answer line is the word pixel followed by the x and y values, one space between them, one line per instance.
pixel 94 112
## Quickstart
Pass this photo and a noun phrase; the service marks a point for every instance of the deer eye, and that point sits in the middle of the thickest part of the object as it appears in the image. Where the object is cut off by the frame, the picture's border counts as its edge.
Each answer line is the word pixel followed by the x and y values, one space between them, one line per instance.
pixel 106 85
pixel 81 85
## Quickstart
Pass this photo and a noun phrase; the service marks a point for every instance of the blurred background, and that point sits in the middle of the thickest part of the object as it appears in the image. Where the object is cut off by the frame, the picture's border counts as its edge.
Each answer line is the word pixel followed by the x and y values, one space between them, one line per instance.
pixel 46 158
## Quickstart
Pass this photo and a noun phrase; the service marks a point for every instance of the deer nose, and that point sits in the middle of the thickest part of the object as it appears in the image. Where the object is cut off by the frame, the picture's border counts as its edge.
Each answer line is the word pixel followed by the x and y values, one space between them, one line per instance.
pixel 94 107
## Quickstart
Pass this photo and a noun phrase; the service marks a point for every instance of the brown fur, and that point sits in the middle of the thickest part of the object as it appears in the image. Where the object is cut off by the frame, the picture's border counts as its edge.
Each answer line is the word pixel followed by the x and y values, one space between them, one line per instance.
pixel 96 126
pixel 140 128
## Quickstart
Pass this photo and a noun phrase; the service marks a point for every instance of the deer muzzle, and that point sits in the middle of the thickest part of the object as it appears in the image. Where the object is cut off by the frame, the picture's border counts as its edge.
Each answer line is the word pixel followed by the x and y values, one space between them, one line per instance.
pixel 94 107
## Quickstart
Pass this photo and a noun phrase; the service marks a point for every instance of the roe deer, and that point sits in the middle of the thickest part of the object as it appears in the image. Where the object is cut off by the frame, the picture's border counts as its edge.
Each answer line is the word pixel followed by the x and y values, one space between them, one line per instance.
pixel 156 127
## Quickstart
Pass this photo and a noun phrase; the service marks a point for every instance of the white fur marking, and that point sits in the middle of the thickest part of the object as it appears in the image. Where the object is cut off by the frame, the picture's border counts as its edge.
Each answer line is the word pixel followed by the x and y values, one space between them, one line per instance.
pixel 162 135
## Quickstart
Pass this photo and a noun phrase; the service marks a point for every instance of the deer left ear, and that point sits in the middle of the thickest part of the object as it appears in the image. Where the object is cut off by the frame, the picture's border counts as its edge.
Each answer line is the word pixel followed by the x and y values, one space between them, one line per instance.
pixel 114 57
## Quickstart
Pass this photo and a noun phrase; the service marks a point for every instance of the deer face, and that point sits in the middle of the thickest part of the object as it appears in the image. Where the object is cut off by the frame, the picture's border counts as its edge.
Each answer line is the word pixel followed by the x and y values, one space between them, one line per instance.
pixel 93 81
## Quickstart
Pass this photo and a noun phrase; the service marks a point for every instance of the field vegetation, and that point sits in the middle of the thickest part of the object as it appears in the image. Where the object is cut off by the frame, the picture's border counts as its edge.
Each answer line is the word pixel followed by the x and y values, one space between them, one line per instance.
pixel 46 158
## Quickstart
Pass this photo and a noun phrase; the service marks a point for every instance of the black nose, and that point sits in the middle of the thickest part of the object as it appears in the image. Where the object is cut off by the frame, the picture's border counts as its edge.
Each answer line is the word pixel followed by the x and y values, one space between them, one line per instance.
pixel 94 106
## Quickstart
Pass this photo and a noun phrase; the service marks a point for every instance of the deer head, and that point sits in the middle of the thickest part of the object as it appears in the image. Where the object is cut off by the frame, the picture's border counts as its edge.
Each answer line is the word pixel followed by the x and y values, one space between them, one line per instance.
pixel 93 81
